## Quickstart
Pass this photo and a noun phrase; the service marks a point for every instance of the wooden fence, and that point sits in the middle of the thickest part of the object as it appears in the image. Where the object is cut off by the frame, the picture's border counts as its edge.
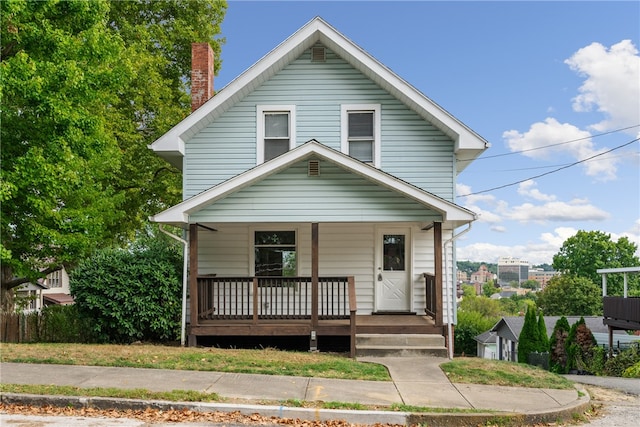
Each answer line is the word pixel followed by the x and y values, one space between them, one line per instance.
pixel 20 327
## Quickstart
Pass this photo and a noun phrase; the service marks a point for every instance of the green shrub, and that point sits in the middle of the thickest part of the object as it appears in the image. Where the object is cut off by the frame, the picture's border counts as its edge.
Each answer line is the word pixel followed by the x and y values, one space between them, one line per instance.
pixel 616 366
pixel 594 360
pixel 632 371
pixel 62 323
pixel 470 324
pixel 133 294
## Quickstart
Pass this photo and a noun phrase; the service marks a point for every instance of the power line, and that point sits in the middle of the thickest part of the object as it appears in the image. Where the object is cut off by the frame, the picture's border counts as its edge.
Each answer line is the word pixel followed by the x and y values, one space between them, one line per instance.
pixel 553 145
pixel 553 171
pixel 536 167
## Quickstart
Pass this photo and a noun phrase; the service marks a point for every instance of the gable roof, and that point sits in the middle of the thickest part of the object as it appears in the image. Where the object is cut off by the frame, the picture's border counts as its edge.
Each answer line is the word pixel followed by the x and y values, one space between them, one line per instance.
pixel 468 144
pixel 179 214
pixel 511 326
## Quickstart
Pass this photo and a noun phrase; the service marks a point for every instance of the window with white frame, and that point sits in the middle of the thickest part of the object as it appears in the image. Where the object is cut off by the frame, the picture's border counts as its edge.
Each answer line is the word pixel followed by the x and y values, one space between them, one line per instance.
pixel 275 131
pixel 360 129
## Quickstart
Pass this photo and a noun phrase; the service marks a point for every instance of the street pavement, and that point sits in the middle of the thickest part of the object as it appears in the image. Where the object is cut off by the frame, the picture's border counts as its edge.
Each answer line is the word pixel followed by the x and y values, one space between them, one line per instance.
pixel 416 381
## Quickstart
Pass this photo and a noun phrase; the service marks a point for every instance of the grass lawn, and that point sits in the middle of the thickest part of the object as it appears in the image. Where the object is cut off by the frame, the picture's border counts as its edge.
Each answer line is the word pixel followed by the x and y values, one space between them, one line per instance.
pixel 271 362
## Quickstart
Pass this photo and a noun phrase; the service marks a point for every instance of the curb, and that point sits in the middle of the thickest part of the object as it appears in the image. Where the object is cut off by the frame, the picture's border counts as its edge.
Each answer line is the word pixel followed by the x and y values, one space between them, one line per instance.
pixel 306 414
pixel 310 414
pixel 581 405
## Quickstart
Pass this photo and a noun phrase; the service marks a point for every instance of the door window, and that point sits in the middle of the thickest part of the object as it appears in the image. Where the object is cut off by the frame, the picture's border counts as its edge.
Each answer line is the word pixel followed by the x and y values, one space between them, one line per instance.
pixel 393 250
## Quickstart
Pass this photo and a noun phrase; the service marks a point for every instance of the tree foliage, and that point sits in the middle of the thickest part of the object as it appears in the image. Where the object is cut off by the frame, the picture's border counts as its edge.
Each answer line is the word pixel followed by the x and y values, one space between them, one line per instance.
pixel 557 350
pixel 528 339
pixel 543 338
pixel 470 324
pixel 567 295
pixel 533 336
pixel 131 294
pixel 579 346
pixel 587 251
pixel 487 307
pixel 86 86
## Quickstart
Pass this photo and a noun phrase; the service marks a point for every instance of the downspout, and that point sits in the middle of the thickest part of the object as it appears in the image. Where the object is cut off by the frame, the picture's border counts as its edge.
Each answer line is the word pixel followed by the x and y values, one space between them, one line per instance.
pixel 451 296
pixel 185 246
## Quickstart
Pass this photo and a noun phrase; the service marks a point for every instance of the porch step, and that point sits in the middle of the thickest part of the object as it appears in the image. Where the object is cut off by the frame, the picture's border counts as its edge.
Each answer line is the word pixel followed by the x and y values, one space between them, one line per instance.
pixel 381 345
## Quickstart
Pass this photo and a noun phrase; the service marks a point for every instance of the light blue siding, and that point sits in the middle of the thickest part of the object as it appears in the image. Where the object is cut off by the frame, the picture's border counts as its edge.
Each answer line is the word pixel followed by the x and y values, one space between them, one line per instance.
pixel 334 196
pixel 412 149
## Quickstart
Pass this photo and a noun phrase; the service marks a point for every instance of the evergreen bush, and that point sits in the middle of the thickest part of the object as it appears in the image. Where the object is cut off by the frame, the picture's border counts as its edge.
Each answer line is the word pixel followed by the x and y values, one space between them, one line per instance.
pixel 529 336
pixel 557 350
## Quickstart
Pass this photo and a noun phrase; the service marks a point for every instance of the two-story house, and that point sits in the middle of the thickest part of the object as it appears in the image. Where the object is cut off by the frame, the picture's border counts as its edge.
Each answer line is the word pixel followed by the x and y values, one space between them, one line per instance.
pixel 319 195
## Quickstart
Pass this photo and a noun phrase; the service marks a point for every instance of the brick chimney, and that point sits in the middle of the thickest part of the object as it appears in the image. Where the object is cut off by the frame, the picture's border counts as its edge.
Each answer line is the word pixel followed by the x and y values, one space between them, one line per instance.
pixel 201 74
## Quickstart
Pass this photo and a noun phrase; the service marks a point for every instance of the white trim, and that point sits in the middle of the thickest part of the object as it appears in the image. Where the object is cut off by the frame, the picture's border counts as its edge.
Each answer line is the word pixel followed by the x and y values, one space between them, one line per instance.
pixel 260 110
pixel 345 109
pixel 179 214
pixel 468 144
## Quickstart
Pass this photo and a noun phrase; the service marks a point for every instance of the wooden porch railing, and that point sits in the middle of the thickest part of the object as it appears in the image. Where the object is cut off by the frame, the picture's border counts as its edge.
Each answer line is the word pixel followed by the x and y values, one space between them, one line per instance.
pixel 622 312
pixel 431 300
pixel 274 298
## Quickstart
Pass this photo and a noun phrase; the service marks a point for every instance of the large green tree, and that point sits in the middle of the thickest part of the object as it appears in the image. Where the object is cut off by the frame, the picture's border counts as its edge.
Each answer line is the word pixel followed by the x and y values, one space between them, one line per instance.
pixel 568 295
pixel 86 86
pixel 587 251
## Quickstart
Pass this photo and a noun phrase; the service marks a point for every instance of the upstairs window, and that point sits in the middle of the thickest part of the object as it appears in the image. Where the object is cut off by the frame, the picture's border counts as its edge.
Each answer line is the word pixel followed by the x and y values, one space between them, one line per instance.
pixel 275 131
pixel 275 253
pixel 361 132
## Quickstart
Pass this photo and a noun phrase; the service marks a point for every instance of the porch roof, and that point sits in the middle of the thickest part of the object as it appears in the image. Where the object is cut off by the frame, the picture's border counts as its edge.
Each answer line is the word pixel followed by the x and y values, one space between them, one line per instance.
pixel 468 144
pixel 179 215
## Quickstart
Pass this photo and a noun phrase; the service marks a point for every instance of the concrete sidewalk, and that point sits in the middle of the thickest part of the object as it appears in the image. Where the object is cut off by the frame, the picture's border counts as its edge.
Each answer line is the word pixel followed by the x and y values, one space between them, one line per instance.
pixel 415 381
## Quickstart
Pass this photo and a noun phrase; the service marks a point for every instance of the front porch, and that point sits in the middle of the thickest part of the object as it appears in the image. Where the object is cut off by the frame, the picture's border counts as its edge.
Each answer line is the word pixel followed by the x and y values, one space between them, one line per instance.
pixel 298 306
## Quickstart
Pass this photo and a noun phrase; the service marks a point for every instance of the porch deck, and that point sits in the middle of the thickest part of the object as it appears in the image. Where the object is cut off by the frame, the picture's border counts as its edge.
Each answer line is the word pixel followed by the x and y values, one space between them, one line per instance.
pixel 293 306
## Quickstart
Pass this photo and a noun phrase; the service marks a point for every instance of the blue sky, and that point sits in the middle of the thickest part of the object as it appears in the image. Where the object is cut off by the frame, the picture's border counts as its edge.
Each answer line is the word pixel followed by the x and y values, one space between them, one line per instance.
pixel 547 83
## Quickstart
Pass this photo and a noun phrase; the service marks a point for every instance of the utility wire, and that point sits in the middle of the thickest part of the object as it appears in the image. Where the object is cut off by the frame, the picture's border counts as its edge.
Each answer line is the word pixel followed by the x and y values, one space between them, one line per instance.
pixel 550 172
pixel 552 145
pixel 537 167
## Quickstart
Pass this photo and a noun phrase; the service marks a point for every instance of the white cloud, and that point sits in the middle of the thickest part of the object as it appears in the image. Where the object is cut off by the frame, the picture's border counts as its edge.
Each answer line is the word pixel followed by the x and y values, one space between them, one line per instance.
pixel 538 252
pixel 499 228
pixel 572 211
pixel 535 252
pixel 471 203
pixel 612 84
pixel 528 189
pixel 611 88
pixel 570 141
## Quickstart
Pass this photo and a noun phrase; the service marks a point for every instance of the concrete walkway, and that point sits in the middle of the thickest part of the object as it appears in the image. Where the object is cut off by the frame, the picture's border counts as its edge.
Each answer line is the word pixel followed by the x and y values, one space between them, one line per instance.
pixel 416 381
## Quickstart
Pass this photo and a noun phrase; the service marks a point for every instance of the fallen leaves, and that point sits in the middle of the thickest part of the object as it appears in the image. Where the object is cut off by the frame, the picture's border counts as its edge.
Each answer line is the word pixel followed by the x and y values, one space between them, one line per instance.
pixel 174 416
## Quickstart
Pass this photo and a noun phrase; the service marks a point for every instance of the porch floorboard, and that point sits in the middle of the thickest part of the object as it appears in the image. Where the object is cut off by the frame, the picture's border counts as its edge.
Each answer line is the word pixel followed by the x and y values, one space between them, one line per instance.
pixel 365 324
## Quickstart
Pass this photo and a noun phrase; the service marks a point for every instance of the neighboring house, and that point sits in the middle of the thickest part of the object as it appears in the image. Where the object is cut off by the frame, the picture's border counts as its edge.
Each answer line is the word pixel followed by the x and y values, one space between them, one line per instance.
pixel 486 342
pixel 319 191
pixel 52 290
pixel 508 329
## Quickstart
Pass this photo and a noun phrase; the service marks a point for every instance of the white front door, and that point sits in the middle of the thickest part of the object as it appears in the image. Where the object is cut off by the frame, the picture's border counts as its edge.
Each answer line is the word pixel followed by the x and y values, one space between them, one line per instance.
pixel 393 288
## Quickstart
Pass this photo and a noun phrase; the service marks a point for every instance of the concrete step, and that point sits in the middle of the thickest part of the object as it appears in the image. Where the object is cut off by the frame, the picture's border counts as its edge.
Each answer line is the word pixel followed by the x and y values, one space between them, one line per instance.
pixel 408 345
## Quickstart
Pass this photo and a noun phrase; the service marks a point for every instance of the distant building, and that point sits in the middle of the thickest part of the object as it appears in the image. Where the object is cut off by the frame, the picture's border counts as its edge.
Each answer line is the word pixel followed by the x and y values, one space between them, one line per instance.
pixel 462 276
pixel 512 270
pixel 483 275
pixel 541 276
